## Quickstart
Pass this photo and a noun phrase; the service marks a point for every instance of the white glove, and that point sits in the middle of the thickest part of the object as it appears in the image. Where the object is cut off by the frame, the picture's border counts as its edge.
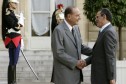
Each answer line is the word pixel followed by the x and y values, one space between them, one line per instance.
pixel 22 44
pixel 21 19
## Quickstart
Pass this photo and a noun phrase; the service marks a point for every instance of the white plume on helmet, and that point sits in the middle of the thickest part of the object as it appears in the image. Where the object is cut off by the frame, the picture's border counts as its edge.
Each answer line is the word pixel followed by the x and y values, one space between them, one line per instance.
pixel 14 1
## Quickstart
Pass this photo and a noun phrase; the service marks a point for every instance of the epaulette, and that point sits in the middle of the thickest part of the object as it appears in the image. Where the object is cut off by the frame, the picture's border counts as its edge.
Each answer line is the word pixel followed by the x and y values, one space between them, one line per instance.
pixel 57 12
pixel 7 12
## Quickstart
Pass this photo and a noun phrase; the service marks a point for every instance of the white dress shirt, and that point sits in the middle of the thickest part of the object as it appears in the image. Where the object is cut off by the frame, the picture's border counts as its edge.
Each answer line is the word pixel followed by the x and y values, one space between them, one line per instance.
pixel 103 27
pixel 69 26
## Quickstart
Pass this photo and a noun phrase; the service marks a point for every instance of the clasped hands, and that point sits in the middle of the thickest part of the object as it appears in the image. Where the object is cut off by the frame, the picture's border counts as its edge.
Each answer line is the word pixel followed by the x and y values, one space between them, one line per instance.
pixel 81 64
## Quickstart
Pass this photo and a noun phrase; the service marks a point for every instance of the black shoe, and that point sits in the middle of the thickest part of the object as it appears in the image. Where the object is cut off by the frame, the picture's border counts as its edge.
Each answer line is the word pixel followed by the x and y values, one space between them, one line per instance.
pixel 11 74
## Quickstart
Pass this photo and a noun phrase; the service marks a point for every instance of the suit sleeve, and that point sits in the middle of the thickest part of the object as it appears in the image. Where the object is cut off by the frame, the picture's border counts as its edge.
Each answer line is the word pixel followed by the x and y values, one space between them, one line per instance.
pixel 86 50
pixel 59 51
pixel 88 60
pixel 110 43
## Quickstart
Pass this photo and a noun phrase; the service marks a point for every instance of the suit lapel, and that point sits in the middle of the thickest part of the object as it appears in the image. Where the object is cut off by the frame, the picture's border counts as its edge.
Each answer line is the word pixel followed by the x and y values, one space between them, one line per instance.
pixel 78 42
pixel 68 33
pixel 76 37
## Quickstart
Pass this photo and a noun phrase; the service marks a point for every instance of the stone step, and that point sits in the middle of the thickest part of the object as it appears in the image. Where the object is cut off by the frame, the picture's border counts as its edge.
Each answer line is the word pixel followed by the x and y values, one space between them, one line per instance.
pixel 35 57
pixel 37 82
pixel 27 68
pixel 26 74
pixel 29 83
pixel 41 62
pixel 33 63
pixel 30 79
pixel 30 53
pixel 43 76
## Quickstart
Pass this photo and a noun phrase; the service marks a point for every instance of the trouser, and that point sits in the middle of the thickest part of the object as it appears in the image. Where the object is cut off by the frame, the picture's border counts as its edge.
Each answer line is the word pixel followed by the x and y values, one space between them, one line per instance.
pixel 13 59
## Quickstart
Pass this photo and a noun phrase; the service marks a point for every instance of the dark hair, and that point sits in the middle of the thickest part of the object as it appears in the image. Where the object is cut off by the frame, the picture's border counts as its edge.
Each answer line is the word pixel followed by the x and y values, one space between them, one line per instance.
pixel 107 12
pixel 4 6
pixel 68 10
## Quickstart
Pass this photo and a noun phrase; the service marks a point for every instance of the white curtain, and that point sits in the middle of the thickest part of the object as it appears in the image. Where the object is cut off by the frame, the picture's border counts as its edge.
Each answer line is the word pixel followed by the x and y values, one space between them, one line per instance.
pixel 40 20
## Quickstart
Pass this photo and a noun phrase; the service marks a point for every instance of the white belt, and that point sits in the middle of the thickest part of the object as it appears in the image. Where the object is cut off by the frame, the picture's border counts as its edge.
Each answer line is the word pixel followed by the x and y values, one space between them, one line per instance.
pixel 13 31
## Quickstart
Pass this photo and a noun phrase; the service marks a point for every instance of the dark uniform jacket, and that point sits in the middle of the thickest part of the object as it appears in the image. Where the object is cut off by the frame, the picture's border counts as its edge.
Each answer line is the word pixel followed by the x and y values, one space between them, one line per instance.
pixel 54 21
pixel 12 38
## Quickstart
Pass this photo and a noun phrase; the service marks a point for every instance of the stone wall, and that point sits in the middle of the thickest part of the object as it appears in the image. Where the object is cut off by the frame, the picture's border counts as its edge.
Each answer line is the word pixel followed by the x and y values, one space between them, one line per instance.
pixel 83 23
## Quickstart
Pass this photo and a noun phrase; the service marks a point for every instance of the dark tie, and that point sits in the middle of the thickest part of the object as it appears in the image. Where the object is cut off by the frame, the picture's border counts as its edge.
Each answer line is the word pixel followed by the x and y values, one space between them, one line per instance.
pixel 99 33
pixel 73 32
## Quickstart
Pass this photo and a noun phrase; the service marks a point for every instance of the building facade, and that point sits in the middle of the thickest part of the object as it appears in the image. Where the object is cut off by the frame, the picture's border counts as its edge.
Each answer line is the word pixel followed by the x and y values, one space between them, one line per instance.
pixel 37 37
pixel 37 30
pixel 38 14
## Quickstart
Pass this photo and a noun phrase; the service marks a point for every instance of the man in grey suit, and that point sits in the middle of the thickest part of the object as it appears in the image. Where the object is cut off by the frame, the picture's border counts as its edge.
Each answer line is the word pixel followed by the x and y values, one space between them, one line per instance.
pixel 67 48
pixel 103 59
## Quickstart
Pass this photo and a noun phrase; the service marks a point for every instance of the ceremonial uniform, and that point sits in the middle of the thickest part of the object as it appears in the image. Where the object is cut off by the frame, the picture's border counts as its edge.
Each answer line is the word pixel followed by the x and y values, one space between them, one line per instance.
pixel 12 39
pixel 12 36
pixel 54 21
pixel 57 16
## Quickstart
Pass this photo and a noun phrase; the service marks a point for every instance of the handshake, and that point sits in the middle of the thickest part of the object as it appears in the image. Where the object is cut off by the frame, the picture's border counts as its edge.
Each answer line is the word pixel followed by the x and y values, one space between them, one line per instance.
pixel 81 64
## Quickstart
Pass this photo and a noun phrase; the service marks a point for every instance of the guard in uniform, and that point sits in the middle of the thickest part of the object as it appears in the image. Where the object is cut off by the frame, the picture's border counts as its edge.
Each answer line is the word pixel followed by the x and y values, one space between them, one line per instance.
pixel 11 35
pixel 57 16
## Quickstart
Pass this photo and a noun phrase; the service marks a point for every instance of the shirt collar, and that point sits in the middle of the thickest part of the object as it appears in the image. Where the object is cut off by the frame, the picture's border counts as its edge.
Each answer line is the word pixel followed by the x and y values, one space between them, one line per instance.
pixel 69 26
pixel 103 27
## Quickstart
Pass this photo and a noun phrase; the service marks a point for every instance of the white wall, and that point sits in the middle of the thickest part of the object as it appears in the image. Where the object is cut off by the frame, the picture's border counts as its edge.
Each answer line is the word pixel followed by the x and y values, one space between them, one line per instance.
pixel 121 72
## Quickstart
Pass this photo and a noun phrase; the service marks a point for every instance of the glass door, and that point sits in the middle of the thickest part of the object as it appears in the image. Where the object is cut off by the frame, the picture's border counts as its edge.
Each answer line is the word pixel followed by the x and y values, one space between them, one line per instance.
pixel 40 24
pixel 41 14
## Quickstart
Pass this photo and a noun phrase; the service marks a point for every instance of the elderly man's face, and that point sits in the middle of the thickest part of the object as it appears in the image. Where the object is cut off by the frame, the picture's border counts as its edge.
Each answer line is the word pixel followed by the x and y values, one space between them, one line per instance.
pixel 99 19
pixel 75 17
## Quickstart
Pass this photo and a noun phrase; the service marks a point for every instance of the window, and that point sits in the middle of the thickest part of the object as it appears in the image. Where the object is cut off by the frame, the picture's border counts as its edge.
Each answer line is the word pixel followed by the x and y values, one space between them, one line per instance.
pixel 40 22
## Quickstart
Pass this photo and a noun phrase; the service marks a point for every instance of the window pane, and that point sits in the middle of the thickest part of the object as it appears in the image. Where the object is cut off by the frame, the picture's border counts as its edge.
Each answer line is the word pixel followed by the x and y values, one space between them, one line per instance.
pixel 40 5
pixel 40 24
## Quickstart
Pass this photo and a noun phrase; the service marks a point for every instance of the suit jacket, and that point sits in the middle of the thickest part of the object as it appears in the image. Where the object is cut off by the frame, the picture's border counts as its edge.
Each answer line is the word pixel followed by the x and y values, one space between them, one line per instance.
pixel 103 59
pixel 66 52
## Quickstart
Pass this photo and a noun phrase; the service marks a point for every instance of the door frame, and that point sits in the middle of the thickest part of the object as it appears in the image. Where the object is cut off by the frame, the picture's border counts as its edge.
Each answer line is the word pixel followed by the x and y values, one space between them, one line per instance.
pixel 38 43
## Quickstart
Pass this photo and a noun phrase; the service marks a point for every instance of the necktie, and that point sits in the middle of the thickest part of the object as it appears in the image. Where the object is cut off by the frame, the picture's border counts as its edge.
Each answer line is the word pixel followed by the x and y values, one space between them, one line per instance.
pixel 99 33
pixel 72 32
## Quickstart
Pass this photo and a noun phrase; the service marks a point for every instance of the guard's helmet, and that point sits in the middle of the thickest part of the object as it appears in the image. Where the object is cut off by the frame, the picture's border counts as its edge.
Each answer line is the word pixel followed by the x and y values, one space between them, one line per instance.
pixel 14 1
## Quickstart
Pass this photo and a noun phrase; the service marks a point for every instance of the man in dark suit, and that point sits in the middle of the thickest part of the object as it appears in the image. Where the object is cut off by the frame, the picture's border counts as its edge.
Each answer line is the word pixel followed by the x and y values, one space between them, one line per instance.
pixel 103 59
pixel 67 48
